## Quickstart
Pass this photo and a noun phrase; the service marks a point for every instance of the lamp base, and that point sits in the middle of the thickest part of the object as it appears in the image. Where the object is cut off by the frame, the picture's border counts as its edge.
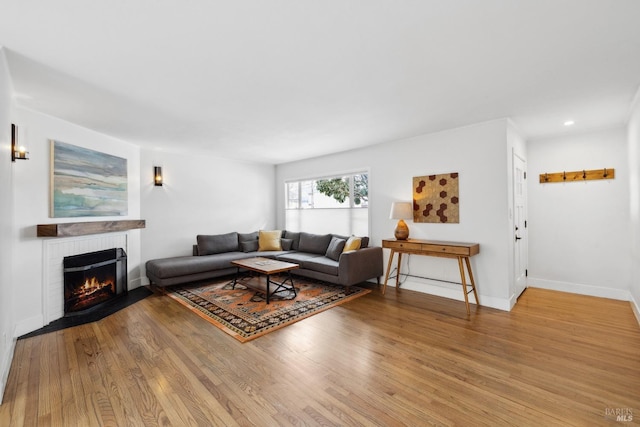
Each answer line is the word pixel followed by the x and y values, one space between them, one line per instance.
pixel 401 231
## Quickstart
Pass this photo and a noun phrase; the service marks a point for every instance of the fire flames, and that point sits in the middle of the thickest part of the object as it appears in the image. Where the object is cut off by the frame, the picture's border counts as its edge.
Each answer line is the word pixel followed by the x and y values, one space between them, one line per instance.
pixel 91 286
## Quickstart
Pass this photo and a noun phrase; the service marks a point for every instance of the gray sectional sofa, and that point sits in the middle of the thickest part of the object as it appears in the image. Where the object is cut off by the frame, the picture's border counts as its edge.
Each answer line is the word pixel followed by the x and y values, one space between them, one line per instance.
pixel 320 256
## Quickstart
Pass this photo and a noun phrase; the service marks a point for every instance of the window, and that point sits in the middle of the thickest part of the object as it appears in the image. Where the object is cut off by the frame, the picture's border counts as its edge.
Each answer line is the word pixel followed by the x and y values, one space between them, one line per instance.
pixel 336 204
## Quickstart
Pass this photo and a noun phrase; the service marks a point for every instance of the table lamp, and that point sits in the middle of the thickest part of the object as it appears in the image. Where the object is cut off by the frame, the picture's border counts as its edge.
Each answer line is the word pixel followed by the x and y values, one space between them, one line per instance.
pixel 401 211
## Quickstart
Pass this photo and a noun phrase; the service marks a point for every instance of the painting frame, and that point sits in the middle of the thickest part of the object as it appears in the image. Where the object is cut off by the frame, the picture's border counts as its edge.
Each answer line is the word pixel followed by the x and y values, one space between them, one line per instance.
pixel 86 183
pixel 436 198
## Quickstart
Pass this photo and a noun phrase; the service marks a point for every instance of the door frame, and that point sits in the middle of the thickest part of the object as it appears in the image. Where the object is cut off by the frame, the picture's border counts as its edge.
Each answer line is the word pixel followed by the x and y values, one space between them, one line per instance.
pixel 521 234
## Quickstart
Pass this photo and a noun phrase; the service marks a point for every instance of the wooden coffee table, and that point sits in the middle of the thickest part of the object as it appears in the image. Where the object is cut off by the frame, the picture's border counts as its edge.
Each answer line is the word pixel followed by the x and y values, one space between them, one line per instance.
pixel 267 267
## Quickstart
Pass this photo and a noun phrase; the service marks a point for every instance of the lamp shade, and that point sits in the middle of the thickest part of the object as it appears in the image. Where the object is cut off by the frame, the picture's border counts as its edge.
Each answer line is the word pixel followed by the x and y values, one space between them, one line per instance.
pixel 401 210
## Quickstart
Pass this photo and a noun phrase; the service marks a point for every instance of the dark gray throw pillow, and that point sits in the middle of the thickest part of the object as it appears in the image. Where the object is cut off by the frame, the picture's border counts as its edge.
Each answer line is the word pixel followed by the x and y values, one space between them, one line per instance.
pixel 249 246
pixel 244 237
pixel 295 237
pixel 286 244
pixel 335 248
pixel 216 244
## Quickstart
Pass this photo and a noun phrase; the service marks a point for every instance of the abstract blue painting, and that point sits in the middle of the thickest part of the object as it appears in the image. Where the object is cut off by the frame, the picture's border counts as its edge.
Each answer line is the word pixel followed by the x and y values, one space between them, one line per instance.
pixel 86 182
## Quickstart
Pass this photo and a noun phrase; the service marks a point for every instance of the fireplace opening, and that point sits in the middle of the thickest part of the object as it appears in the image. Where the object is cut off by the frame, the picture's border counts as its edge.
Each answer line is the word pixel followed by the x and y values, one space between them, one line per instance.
pixel 93 279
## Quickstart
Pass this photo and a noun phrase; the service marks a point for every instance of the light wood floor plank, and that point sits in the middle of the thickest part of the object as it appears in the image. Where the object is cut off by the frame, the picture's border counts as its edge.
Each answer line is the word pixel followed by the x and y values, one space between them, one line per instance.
pixel 403 358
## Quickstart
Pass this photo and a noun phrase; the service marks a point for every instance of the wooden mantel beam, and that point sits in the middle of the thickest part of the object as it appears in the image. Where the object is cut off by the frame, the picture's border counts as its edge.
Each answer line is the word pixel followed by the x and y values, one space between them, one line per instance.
pixel 83 228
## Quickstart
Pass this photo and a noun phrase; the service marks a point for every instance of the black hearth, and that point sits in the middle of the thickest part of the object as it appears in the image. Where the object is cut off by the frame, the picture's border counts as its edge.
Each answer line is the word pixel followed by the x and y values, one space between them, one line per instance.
pixel 93 279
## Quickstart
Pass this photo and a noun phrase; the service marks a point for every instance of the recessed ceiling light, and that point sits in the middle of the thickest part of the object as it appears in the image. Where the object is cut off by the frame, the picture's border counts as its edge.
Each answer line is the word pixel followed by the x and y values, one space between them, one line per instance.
pixel 569 123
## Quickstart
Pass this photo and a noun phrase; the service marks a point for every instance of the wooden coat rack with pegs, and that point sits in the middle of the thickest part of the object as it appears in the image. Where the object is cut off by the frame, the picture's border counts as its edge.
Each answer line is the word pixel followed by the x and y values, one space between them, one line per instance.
pixel 583 175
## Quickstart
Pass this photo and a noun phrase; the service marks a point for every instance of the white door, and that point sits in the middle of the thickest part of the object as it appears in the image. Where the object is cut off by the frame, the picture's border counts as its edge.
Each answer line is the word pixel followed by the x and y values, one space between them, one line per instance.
pixel 520 223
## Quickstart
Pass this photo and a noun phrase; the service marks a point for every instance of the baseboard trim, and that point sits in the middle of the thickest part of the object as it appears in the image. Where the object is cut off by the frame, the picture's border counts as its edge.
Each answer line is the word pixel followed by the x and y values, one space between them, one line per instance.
pixel 513 301
pixel 635 307
pixel 28 325
pixel 135 283
pixel 7 359
pixel 579 288
pixel 453 292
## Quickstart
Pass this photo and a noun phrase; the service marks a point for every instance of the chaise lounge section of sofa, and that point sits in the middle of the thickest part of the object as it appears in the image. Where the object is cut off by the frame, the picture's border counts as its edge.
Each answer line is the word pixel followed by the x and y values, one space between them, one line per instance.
pixel 320 256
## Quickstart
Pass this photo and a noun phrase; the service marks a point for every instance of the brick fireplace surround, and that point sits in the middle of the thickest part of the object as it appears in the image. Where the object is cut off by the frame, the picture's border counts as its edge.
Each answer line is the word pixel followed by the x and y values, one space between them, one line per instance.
pixel 54 251
pixel 67 239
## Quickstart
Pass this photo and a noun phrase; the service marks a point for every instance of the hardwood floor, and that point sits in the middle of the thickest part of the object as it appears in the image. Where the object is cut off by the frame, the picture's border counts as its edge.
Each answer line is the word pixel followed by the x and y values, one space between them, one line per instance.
pixel 403 358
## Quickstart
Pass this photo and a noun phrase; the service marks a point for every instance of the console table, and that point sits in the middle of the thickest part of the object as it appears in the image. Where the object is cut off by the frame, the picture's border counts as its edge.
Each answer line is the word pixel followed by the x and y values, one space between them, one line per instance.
pixel 460 251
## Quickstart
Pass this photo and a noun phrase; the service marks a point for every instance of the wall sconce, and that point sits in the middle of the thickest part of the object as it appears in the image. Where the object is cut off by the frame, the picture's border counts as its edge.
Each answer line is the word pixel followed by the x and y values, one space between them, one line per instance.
pixel 19 153
pixel 157 176
pixel 401 211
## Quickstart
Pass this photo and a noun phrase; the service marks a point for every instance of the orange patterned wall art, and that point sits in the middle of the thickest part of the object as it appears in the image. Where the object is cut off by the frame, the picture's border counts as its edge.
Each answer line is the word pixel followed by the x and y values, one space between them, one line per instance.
pixel 436 198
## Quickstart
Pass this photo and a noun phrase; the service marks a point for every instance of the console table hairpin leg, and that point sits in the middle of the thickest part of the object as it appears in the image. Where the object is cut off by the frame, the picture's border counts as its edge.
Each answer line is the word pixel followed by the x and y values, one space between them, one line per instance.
pixel 464 283
pixel 456 250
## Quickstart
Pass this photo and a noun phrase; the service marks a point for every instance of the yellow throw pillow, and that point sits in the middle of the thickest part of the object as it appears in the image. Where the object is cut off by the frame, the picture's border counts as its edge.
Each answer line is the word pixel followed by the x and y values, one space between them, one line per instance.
pixel 353 244
pixel 269 240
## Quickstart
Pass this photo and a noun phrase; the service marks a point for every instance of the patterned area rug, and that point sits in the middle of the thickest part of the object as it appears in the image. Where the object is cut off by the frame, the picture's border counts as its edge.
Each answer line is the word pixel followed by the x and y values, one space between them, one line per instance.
pixel 243 312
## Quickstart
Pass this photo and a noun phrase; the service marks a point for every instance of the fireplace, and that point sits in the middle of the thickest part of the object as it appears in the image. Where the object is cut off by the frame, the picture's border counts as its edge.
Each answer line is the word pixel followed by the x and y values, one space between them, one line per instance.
pixel 93 279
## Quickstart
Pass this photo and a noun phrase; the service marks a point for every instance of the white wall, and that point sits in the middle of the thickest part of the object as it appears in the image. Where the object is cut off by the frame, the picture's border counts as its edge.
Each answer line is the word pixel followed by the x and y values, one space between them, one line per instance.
pixel 480 154
pixel 31 198
pixel 7 340
pixel 578 231
pixel 202 194
pixel 633 137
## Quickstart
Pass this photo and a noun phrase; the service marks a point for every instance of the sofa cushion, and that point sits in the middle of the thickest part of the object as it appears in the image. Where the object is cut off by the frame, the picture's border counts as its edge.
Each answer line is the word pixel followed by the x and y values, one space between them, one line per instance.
pixel 353 244
pixel 321 264
pixel 269 240
pixel 293 236
pixel 314 243
pixel 216 244
pixel 268 254
pixel 249 245
pixel 245 237
pixel 186 265
pixel 287 244
pixel 335 248
pixel 297 257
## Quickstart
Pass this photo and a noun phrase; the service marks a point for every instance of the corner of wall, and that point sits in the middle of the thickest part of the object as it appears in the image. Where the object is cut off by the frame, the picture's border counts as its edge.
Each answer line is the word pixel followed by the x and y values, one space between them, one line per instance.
pixel 580 288
pixel 635 102
pixel 6 360
pixel 635 307
pixel 633 153
pixel 7 318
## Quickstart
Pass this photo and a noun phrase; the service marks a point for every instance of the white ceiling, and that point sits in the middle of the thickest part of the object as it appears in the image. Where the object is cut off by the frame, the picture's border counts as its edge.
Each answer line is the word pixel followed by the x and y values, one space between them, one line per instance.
pixel 281 80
